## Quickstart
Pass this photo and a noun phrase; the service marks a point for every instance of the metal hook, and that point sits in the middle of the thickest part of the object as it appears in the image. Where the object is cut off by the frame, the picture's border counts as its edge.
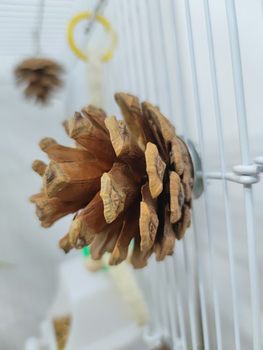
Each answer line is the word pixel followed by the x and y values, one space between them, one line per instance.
pixel 198 188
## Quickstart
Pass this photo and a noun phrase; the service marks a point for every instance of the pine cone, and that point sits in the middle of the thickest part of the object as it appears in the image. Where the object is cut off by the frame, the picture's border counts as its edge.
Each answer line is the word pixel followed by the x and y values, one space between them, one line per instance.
pixel 127 180
pixel 41 77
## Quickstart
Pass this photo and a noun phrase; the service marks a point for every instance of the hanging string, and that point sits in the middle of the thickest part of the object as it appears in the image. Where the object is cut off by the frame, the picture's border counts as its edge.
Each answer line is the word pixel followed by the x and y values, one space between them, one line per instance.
pixel 97 10
pixel 94 64
pixel 39 26
pixel 95 79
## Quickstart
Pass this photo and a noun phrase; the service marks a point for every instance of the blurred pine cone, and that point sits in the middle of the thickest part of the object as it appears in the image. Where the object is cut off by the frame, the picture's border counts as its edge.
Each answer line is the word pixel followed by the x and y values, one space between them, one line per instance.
pixel 126 179
pixel 41 76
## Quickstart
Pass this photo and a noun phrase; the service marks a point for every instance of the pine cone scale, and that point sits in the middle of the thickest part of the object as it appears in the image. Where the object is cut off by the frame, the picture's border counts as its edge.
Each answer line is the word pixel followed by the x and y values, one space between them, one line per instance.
pixel 118 191
pixel 132 113
pixel 155 168
pixel 148 221
pixel 91 138
pixel 129 228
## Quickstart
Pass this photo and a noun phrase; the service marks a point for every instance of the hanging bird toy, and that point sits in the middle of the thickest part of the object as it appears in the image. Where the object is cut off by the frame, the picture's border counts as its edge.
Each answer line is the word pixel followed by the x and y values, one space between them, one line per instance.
pixel 39 75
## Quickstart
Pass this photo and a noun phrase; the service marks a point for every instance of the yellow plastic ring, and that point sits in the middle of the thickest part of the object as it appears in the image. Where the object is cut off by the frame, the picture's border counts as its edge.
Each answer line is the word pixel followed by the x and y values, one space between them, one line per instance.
pixel 107 26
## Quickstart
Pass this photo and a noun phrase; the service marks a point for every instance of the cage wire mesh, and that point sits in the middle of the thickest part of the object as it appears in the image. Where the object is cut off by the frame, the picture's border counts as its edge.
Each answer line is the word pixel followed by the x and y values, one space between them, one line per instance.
pixel 200 62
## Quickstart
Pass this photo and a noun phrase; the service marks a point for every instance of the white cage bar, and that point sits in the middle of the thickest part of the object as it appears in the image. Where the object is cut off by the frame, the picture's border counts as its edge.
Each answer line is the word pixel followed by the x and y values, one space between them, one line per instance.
pixel 159 60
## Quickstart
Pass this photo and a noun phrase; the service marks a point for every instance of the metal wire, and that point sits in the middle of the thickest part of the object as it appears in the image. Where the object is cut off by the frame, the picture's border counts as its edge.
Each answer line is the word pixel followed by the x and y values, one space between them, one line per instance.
pixel 206 201
pixel 219 118
pixel 183 103
pixel 244 147
pixel 91 22
pixel 189 285
pixel 188 282
pixel 39 26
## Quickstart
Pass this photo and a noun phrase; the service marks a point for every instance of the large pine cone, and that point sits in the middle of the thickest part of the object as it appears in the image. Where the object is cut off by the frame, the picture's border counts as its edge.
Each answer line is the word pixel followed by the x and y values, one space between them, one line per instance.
pixel 126 180
pixel 41 76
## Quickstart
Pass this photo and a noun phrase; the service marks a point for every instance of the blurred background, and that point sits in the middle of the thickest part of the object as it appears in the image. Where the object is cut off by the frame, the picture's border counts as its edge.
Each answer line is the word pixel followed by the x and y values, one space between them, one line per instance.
pixel 201 63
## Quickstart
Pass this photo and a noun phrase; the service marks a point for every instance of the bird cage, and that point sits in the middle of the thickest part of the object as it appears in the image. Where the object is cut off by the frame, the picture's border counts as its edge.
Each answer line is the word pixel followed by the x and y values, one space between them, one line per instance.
pixel 201 63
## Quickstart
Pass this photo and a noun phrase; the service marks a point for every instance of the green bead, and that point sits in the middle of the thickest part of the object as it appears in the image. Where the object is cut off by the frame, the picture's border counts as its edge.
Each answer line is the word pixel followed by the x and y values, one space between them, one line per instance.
pixel 86 251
